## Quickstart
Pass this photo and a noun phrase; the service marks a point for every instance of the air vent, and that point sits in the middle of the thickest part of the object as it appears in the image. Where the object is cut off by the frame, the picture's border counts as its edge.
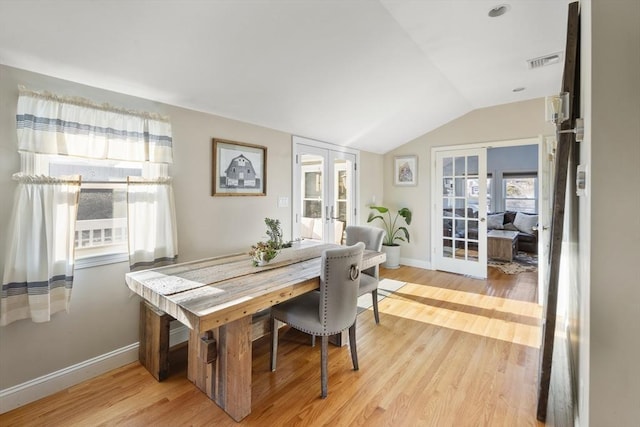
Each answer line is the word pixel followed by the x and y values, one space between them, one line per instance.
pixel 543 61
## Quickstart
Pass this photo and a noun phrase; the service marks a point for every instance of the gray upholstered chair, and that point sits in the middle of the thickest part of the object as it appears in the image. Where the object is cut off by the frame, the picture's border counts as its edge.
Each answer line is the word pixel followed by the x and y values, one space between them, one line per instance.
pixel 329 311
pixel 372 239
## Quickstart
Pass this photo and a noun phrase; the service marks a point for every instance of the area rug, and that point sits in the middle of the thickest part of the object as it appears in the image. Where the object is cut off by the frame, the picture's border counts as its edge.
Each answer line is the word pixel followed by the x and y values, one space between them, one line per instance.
pixel 523 262
pixel 385 288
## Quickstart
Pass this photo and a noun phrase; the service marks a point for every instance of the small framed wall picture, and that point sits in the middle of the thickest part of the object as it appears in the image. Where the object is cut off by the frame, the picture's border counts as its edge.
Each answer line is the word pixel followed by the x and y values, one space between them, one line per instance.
pixel 239 169
pixel 405 170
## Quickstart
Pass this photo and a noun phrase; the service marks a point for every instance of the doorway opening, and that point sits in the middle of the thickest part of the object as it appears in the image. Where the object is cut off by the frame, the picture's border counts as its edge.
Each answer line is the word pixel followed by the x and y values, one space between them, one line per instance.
pixel 495 213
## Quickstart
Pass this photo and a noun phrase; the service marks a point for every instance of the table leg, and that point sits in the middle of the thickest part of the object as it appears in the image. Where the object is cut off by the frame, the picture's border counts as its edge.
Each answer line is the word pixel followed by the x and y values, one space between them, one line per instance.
pixel 200 369
pixel 228 380
pixel 153 351
pixel 234 368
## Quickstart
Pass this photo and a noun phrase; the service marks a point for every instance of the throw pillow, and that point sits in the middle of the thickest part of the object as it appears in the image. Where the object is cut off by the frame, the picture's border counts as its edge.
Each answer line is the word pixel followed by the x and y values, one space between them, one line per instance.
pixel 509 226
pixel 525 223
pixel 495 221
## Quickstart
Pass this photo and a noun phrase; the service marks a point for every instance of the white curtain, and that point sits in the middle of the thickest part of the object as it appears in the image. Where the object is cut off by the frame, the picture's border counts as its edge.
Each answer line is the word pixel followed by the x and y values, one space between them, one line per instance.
pixel 50 124
pixel 38 272
pixel 152 228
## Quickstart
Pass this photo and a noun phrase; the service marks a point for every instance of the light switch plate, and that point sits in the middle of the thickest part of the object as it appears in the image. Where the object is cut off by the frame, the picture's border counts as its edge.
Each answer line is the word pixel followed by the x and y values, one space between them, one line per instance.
pixel 283 202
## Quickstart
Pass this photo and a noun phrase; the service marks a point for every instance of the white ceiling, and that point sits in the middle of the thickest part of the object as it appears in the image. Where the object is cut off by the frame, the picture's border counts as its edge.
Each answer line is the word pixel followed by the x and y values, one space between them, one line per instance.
pixel 369 74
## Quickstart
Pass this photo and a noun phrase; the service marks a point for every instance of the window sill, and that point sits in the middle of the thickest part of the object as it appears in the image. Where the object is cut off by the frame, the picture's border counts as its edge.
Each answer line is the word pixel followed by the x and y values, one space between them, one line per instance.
pixel 97 260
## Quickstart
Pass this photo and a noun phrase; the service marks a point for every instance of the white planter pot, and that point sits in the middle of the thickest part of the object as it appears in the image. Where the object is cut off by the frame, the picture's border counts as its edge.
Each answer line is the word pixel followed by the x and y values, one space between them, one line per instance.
pixel 393 256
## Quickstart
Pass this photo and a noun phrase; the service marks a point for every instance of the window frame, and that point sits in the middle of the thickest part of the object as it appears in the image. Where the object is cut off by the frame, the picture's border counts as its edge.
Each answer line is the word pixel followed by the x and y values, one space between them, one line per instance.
pixel 318 169
pixel 89 255
pixel 506 176
pixel 93 256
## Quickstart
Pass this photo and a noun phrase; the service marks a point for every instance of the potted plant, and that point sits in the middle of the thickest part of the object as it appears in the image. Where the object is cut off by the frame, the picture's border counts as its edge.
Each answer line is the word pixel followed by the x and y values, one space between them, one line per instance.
pixel 394 231
pixel 263 252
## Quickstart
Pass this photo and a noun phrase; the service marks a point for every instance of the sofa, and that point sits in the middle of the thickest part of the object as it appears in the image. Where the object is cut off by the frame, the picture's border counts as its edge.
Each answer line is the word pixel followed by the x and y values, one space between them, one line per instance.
pixel 524 223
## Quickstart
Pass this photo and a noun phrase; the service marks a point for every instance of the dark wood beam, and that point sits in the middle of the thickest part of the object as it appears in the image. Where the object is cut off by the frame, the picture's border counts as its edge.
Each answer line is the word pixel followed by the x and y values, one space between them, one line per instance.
pixel 565 145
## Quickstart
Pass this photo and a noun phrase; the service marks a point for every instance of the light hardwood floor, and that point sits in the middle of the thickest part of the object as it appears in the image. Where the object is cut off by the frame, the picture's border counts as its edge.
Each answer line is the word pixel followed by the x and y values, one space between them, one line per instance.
pixel 449 351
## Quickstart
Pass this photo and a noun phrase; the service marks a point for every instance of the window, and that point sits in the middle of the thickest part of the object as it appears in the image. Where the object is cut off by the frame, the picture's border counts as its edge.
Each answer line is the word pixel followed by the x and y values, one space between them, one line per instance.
pixel 312 196
pixel 341 191
pixel 101 225
pixel 520 192
pixel 104 145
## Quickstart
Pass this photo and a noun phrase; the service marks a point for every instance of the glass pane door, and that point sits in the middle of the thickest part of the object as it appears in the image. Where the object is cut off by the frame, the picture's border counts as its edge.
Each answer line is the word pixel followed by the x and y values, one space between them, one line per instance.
pixel 342 209
pixel 313 202
pixel 324 191
pixel 461 206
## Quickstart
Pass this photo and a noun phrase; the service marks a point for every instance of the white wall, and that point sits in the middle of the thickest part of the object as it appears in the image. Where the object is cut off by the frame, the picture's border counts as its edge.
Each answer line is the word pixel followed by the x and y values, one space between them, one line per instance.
pixel 104 315
pixel 504 122
pixel 612 151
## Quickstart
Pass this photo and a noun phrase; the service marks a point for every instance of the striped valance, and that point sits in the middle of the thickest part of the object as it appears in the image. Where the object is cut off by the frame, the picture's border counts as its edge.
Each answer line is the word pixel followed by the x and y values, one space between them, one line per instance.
pixel 51 124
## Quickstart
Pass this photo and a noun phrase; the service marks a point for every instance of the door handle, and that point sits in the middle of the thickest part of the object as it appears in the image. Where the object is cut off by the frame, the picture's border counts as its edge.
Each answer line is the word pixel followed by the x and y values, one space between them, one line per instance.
pixel 536 228
pixel 332 213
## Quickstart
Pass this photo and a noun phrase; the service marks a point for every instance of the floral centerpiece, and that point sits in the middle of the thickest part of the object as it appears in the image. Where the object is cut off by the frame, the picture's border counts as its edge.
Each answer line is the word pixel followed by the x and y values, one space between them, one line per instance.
pixel 263 252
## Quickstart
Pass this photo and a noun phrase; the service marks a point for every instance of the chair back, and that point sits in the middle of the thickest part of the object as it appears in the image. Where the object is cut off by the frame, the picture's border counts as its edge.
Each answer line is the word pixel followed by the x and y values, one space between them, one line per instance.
pixel 371 237
pixel 339 282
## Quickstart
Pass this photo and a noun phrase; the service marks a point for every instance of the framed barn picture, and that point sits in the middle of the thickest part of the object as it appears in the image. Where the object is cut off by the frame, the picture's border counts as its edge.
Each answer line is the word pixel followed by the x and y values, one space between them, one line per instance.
pixel 405 169
pixel 239 169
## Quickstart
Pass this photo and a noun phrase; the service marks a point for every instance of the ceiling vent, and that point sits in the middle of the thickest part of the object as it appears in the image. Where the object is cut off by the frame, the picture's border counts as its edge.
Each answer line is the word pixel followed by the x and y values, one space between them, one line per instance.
pixel 543 61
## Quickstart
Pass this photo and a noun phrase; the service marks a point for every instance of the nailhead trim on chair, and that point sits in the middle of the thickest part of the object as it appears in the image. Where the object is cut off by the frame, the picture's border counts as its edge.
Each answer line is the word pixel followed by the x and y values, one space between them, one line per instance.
pixel 324 320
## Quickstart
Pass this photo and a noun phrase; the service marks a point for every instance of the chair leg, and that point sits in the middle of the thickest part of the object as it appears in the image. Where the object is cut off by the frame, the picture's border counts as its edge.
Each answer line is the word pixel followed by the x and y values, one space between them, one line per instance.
pixel 274 343
pixel 313 340
pixel 324 354
pixel 376 315
pixel 352 346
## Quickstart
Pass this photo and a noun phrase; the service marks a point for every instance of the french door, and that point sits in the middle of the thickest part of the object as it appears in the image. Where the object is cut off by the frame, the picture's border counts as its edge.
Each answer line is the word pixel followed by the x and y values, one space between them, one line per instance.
pixel 324 188
pixel 460 230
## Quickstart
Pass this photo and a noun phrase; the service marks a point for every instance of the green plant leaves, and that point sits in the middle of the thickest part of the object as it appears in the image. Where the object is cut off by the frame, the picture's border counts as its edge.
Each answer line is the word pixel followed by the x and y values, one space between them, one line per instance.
pixel 380 209
pixel 373 216
pixel 406 214
pixel 393 231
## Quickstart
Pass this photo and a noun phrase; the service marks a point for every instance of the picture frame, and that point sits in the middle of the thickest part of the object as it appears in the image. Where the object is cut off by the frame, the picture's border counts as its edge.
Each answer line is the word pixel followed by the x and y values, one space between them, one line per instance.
pixel 405 170
pixel 238 169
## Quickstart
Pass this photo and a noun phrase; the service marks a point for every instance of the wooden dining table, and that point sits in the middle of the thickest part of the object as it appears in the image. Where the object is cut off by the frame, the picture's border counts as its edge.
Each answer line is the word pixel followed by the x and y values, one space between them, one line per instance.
pixel 216 298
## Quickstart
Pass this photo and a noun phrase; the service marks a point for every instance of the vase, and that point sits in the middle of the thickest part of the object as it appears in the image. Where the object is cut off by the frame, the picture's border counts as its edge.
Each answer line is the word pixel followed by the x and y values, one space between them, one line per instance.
pixel 393 256
pixel 262 258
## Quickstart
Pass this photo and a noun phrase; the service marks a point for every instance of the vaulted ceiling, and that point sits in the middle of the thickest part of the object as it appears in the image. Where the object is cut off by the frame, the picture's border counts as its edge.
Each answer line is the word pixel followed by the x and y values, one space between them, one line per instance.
pixel 369 74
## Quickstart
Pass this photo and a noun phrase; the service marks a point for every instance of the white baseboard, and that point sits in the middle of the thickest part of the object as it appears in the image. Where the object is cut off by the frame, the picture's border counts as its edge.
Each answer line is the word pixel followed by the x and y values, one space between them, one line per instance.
pixel 416 263
pixel 30 391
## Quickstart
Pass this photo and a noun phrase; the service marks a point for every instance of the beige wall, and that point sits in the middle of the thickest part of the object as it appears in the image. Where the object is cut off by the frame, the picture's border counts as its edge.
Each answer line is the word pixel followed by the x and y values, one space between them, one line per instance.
pixel 612 92
pixel 104 316
pixel 505 122
pixel 371 183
